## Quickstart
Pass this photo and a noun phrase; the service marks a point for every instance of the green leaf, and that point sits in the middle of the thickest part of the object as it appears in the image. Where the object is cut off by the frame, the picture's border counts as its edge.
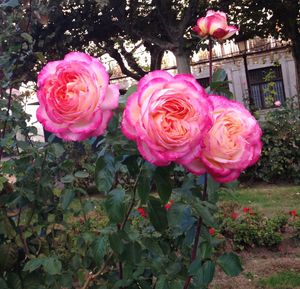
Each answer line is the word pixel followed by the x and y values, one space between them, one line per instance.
pixel 144 182
pixel 13 281
pixel 52 265
pixel 132 253
pixel 163 184
pixel 205 250
pixel 132 165
pixel 105 173
pixel 68 179
pixel 114 205
pixel 66 198
pixel 219 75
pixel 99 248
pixel 81 174
pixel 174 268
pixel 194 267
pixel 27 37
pixel 230 264
pixel 205 214
pixel 157 214
pixel 3 284
pixel 58 149
pixel 212 190
pixel 33 264
pixel 162 282
pixel 115 241
pixel 206 273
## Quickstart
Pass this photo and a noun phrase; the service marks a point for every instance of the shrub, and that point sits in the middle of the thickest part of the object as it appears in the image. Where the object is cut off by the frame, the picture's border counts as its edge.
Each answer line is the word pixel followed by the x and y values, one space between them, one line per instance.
pixel 253 229
pixel 280 159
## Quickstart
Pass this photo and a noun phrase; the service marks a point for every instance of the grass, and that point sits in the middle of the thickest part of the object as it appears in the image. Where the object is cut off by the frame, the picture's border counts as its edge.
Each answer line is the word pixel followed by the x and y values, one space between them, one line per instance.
pixel 271 199
pixel 281 280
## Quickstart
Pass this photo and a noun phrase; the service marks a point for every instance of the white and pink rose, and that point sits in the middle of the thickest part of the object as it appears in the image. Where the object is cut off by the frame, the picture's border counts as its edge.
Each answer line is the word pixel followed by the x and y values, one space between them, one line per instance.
pixel 76 100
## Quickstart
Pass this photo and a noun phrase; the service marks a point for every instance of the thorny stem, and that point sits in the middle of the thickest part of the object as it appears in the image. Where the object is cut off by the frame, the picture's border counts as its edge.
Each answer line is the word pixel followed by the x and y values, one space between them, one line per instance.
pixel 92 277
pixel 197 235
pixel 210 45
pixel 121 227
pixel 132 201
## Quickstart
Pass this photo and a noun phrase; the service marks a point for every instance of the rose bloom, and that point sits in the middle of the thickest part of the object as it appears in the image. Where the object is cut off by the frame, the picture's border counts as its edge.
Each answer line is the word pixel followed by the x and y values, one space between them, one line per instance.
pixel 233 142
pixel 277 103
pixel 214 24
pixel 167 117
pixel 211 231
pixel 142 212
pixel 75 97
pixel 293 213
pixel 169 204
pixel 234 215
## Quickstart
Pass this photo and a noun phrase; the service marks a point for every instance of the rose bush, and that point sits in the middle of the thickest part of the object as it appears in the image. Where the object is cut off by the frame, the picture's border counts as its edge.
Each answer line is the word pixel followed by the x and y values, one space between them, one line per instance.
pixel 214 24
pixel 168 116
pixel 75 98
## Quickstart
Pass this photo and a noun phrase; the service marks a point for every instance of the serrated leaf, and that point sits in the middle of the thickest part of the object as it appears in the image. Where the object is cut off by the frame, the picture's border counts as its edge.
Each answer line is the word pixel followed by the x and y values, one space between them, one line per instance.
pixel 162 282
pixel 66 198
pixel 115 206
pixel 52 265
pixel 163 184
pixel 58 149
pixel 194 267
pixel 99 249
pixel 116 243
pixel 205 250
pixel 81 174
pixel 132 165
pixel 230 264
pixel 212 189
pixel 173 268
pixel 206 273
pixel 144 182
pixel 205 214
pixel 157 215
pixel 104 173
pixel 33 264
pixel 68 179
pixel 132 253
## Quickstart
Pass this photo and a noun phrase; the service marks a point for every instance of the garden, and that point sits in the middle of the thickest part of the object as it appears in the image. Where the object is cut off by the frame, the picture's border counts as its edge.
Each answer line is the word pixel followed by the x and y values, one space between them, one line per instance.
pixel 166 184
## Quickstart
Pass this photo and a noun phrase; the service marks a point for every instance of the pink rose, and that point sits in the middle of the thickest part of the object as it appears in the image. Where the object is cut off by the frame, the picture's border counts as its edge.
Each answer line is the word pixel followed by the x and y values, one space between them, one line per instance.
pixel 233 142
pixel 167 116
pixel 277 103
pixel 214 24
pixel 76 100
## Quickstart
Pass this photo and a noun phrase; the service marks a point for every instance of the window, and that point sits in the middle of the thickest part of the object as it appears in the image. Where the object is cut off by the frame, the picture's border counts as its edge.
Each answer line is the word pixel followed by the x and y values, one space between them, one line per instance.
pixel 204 82
pixel 266 86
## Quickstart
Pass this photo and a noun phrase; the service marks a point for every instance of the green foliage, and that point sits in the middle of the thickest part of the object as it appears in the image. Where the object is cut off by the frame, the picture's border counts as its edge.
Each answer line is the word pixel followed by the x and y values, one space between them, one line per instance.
pixel 280 159
pixel 253 229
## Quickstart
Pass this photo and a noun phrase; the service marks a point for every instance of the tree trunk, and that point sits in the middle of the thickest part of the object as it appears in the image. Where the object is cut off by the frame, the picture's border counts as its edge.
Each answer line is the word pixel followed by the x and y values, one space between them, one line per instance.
pixel 183 62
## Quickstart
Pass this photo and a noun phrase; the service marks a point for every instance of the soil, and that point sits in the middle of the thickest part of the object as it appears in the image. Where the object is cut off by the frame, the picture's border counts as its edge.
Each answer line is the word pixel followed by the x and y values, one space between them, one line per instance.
pixel 260 263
